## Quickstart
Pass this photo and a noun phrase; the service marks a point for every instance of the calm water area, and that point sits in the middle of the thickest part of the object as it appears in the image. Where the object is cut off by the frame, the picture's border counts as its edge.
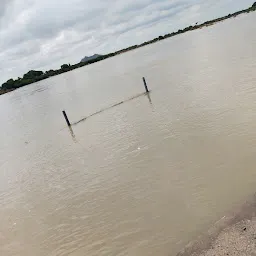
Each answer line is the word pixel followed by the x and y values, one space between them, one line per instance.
pixel 144 177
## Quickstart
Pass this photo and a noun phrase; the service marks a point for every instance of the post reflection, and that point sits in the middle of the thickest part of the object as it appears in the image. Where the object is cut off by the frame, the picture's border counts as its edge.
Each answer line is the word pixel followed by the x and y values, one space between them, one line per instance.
pixel 149 98
pixel 72 134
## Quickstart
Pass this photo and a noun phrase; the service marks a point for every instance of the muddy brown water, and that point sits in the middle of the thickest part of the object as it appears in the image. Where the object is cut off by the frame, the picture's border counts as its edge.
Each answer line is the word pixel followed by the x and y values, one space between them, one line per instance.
pixel 141 178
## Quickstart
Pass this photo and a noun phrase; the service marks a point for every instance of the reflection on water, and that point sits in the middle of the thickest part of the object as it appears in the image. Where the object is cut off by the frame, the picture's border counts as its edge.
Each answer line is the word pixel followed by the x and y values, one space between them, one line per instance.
pixel 149 98
pixel 72 134
pixel 138 179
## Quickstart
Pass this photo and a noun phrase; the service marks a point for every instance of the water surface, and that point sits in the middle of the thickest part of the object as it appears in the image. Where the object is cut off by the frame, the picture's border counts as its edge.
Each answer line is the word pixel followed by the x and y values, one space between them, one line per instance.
pixel 142 178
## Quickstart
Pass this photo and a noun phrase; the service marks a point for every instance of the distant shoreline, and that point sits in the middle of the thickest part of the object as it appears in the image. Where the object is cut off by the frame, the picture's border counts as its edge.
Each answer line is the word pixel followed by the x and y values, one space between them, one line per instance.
pixel 35 76
pixel 3 91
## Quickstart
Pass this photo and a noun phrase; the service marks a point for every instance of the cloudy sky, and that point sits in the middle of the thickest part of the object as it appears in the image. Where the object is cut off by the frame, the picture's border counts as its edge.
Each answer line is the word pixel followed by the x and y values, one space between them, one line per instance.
pixel 43 34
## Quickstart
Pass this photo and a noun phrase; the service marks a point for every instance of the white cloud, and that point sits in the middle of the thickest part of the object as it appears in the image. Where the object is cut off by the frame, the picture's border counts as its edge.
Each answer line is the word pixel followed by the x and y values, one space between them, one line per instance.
pixel 43 34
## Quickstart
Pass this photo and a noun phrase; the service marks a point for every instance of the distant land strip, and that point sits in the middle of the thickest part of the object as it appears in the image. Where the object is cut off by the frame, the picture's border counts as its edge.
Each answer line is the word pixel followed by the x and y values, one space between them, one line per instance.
pixel 34 76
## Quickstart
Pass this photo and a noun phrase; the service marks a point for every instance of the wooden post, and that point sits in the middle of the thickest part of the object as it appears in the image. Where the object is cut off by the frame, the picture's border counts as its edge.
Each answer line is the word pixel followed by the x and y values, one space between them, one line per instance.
pixel 66 118
pixel 145 84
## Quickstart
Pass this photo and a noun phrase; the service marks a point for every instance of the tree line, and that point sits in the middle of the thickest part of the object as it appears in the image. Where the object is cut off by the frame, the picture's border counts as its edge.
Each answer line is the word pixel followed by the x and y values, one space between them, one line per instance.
pixel 34 76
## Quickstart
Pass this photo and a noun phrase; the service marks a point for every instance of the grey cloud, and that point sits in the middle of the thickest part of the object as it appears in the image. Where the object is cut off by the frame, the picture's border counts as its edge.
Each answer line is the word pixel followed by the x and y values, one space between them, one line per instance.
pixel 44 34
pixel 131 6
pixel 153 13
pixel 44 24
pixel 3 6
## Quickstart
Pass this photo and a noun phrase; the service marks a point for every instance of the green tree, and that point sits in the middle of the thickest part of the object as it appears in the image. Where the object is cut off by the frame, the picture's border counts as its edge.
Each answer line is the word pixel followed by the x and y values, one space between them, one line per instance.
pixel 65 66
pixel 32 74
pixel 9 84
pixel 50 72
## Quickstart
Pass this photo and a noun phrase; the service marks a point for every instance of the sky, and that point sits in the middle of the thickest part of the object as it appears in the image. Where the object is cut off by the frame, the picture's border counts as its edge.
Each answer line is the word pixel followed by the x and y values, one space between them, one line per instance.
pixel 44 34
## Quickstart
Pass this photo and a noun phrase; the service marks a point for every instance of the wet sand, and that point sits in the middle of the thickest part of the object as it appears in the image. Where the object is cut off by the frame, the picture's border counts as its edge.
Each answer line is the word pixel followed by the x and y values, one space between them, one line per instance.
pixel 234 234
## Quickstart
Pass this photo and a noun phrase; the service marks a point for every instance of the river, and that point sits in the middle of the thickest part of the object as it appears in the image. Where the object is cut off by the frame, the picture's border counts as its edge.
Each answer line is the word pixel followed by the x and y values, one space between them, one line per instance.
pixel 144 177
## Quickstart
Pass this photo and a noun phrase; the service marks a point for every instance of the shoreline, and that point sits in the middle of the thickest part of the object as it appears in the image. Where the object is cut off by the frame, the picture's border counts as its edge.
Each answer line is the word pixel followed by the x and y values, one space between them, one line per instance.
pixel 234 233
pixel 6 91
pixel 12 85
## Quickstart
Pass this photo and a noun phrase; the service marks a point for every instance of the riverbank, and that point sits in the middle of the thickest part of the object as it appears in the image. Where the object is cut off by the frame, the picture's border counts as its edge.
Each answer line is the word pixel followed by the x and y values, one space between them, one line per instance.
pixel 35 76
pixel 2 91
pixel 234 234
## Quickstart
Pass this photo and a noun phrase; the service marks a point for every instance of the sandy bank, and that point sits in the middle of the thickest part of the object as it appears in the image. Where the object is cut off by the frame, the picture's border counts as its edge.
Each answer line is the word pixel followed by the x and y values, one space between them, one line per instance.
pixel 233 235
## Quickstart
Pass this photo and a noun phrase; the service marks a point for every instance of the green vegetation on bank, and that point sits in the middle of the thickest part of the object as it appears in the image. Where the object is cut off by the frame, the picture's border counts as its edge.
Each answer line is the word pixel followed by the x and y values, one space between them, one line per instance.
pixel 35 76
